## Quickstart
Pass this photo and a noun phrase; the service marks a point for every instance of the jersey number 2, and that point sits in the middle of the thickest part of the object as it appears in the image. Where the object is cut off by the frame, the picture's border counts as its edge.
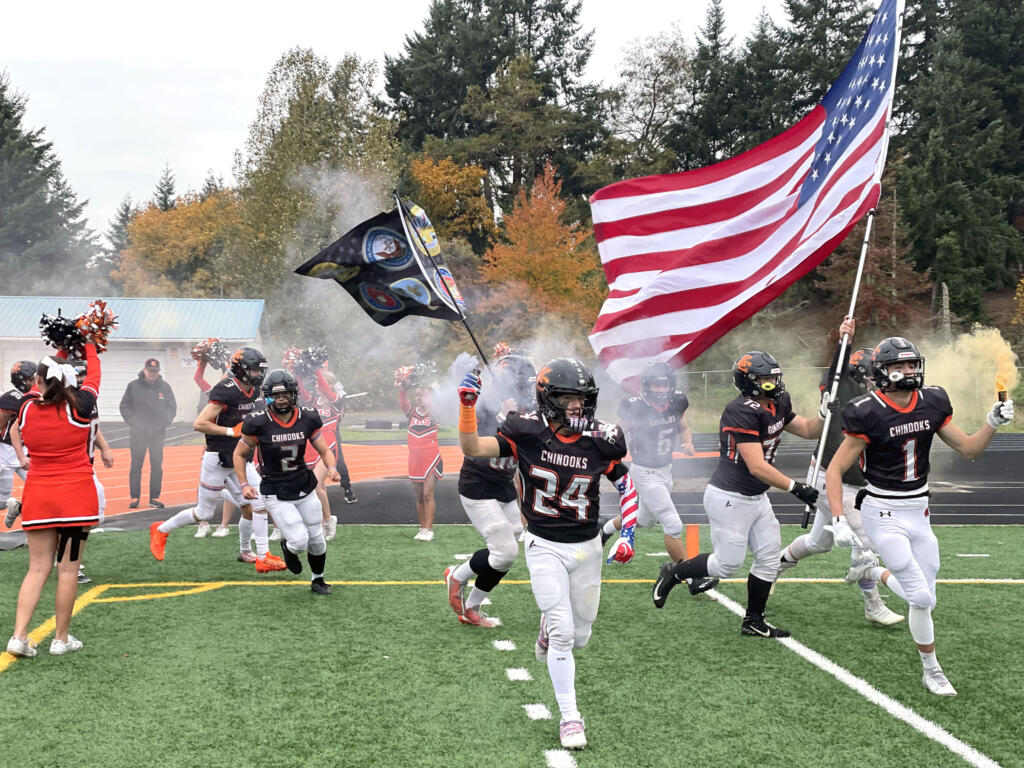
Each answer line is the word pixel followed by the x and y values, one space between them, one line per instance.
pixel 289 458
pixel 573 497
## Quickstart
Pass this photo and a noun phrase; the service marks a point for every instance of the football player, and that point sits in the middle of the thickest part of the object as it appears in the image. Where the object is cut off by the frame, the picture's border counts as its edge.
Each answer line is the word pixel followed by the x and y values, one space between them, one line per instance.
pixel 222 530
pixel 654 423
pixel 843 528
pixel 736 499
pixel 562 452
pixel 231 400
pixel 488 494
pixel 23 376
pixel 288 486
pixel 893 428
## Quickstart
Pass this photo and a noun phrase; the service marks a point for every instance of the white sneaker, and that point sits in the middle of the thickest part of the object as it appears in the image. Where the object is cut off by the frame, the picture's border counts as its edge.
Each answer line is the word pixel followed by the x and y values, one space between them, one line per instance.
pixel 424 534
pixel 58 648
pixel 876 611
pixel 331 528
pixel 275 535
pixel 13 510
pixel 571 734
pixel 203 530
pixel 935 681
pixel 220 532
pixel 25 648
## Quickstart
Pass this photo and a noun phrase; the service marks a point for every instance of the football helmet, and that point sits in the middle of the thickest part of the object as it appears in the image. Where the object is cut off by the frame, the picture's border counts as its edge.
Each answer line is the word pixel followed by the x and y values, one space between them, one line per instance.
pixel 565 376
pixel 280 381
pixel 859 367
pixel 23 373
pixel 752 366
pixel 896 349
pixel 516 379
pixel 657 374
pixel 80 366
pixel 248 359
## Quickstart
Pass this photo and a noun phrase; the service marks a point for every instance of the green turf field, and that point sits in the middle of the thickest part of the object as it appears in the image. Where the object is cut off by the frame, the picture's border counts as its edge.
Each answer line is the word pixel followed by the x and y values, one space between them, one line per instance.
pixel 233 669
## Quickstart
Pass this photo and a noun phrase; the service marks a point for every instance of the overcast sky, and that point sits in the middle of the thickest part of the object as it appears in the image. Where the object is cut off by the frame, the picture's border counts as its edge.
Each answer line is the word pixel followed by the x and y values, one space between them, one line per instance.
pixel 123 88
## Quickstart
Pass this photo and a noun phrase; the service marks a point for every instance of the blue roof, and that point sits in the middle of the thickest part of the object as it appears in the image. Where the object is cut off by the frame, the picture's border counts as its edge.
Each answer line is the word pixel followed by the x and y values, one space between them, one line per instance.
pixel 183 319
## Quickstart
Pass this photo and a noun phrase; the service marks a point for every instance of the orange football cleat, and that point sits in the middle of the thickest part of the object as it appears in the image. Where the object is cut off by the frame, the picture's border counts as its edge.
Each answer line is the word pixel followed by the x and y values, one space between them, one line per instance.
pixel 266 564
pixel 477 619
pixel 157 540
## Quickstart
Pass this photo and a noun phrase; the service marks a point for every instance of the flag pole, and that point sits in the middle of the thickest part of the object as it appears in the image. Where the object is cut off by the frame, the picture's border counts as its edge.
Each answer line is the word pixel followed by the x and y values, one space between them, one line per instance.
pixel 444 284
pixel 834 390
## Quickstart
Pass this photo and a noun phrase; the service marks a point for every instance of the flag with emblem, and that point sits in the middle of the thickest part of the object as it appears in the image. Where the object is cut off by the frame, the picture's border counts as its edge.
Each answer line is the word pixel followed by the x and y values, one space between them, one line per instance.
pixel 392 266
pixel 688 256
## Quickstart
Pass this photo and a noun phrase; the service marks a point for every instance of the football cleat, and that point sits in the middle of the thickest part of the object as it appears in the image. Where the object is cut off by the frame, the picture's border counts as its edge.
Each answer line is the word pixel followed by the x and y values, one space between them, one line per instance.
pixel 699 584
pixel 13 511
pixel 157 540
pixel 202 530
pixel 319 586
pixel 291 559
pixel 935 681
pixel 540 648
pixel 756 626
pixel 82 578
pixel 59 648
pixel 23 648
pixel 350 497
pixel 221 532
pixel 663 584
pixel 456 591
pixel 571 734
pixel 477 619
pixel 247 557
pixel 877 612
pixel 265 564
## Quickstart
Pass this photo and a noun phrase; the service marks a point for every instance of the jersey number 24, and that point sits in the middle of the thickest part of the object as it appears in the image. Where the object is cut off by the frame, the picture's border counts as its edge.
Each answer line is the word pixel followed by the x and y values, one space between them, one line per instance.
pixel 572 498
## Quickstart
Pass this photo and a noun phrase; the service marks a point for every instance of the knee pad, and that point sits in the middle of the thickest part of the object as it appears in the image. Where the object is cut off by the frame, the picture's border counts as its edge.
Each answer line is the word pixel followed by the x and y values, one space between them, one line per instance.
pixel 317 544
pixel 503 550
pixel 922 598
pixel 299 542
pixel 581 638
pixel 674 528
pixel 718 568
pixel 818 542
pixel 561 635
pixel 206 503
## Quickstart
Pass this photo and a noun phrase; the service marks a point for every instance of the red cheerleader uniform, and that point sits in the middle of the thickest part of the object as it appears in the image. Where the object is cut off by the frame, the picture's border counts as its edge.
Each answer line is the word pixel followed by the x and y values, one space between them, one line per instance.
pixel 424 452
pixel 60 490
pixel 330 407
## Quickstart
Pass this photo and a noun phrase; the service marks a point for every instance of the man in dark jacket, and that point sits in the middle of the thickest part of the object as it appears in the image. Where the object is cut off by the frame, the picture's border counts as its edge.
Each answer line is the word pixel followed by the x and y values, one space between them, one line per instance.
pixel 147 408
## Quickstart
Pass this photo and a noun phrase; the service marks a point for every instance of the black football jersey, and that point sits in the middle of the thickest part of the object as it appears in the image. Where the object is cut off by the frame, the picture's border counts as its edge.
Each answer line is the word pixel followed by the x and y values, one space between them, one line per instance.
pixel 746 421
pixel 560 476
pixel 848 389
pixel 282 448
pixel 652 433
pixel 899 440
pixel 10 401
pixel 488 478
pixel 237 405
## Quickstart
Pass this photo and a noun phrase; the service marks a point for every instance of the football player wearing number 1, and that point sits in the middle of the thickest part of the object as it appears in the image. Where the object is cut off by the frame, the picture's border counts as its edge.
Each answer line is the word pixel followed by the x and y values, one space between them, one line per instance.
pixel 893 428
pixel 736 499
pixel 561 451
pixel 288 487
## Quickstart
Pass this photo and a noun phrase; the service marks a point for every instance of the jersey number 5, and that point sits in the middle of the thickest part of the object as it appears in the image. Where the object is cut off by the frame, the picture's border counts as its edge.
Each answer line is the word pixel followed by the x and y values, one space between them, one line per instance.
pixel 573 497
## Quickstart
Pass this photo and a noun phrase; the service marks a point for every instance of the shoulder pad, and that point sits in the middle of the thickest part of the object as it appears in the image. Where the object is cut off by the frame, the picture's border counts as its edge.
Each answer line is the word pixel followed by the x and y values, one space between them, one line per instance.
pixel 609 440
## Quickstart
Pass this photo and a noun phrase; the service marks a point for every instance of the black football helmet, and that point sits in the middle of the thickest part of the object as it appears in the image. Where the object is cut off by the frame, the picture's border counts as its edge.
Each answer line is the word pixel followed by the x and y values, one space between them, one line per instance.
pixel 751 366
pixel 23 373
pixel 280 381
pixel 248 359
pixel 565 376
pixel 896 349
pixel 859 367
pixel 516 379
pixel 653 375
pixel 81 366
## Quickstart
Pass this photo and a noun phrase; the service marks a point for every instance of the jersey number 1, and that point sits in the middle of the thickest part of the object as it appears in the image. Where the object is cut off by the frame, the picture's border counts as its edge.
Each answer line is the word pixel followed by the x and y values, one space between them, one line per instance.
pixel 574 496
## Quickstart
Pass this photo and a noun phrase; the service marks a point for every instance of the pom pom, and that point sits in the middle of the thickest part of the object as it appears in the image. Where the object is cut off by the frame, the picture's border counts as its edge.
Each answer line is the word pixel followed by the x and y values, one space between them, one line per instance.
pixel 62 333
pixel 212 352
pixel 290 358
pixel 96 324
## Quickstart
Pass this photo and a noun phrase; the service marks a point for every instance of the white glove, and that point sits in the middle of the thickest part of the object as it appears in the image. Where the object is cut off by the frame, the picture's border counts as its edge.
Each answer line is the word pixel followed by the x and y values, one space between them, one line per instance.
pixel 1000 415
pixel 842 534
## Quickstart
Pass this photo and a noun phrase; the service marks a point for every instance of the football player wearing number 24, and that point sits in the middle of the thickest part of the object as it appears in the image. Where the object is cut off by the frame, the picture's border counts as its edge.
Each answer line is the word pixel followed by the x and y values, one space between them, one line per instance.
pixel 736 499
pixel 562 451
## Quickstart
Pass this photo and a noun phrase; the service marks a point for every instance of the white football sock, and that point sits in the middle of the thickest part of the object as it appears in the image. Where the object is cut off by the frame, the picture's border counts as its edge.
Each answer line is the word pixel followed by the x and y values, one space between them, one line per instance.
pixel 476 597
pixel 922 629
pixel 875 574
pixel 463 572
pixel 184 517
pixel 928 660
pixel 260 530
pixel 562 670
pixel 244 534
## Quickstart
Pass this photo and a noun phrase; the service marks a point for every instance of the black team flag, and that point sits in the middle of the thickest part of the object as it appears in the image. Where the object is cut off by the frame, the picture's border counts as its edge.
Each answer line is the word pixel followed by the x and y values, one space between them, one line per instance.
pixel 392 266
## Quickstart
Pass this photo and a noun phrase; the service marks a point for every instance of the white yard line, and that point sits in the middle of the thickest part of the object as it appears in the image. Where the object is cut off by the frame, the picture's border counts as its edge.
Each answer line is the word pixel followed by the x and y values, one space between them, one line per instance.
pixel 559 758
pixel 537 711
pixel 504 645
pixel 518 674
pixel 899 711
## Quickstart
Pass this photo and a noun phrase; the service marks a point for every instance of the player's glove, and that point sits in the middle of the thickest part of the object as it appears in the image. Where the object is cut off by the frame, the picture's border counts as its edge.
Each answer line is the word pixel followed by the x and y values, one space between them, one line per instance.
pixel 1000 415
pixel 806 493
pixel 827 405
pixel 469 390
pixel 622 550
pixel 842 534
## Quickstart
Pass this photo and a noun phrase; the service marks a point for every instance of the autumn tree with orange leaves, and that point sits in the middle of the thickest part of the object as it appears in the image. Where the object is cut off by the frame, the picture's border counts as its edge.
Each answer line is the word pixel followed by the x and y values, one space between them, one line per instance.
pixel 453 197
pixel 176 252
pixel 544 266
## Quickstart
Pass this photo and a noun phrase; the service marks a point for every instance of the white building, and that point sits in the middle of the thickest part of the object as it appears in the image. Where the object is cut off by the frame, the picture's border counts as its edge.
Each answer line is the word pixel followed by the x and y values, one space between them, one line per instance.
pixel 162 328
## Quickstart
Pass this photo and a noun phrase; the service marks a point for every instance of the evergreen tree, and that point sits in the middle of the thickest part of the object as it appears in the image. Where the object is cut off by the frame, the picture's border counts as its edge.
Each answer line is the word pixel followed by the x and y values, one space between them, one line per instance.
pixel 44 243
pixel 164 194
pixel 762 87
pixel 117 232
pixel 211 185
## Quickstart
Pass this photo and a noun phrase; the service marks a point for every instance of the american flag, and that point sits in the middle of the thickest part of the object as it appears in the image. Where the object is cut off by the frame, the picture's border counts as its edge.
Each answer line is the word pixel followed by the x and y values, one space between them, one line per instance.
pixel 688 256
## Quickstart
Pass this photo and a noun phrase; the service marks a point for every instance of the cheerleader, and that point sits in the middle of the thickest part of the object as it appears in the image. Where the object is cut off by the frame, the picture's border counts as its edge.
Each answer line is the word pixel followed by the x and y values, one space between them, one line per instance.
pixel 425 466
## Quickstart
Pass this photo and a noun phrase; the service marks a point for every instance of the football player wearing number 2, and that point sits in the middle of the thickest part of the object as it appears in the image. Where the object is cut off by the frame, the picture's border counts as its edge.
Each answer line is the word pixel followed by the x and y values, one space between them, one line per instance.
pixel 736 499
pixel 891 431
pixel 561 451
pixel 288 487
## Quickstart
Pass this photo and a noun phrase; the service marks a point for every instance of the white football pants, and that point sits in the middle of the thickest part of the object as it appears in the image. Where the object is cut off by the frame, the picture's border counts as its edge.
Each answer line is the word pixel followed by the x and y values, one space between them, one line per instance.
pixel 566 583
pixel 902 532
pixel 301 522
pixel 500 525
pixel 654 487
pixel 739 522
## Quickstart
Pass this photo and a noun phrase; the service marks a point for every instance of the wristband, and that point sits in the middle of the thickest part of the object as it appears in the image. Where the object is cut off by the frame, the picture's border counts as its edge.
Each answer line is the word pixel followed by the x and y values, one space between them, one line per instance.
pixel 792 485
pixel 229 431
pixel 467 419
